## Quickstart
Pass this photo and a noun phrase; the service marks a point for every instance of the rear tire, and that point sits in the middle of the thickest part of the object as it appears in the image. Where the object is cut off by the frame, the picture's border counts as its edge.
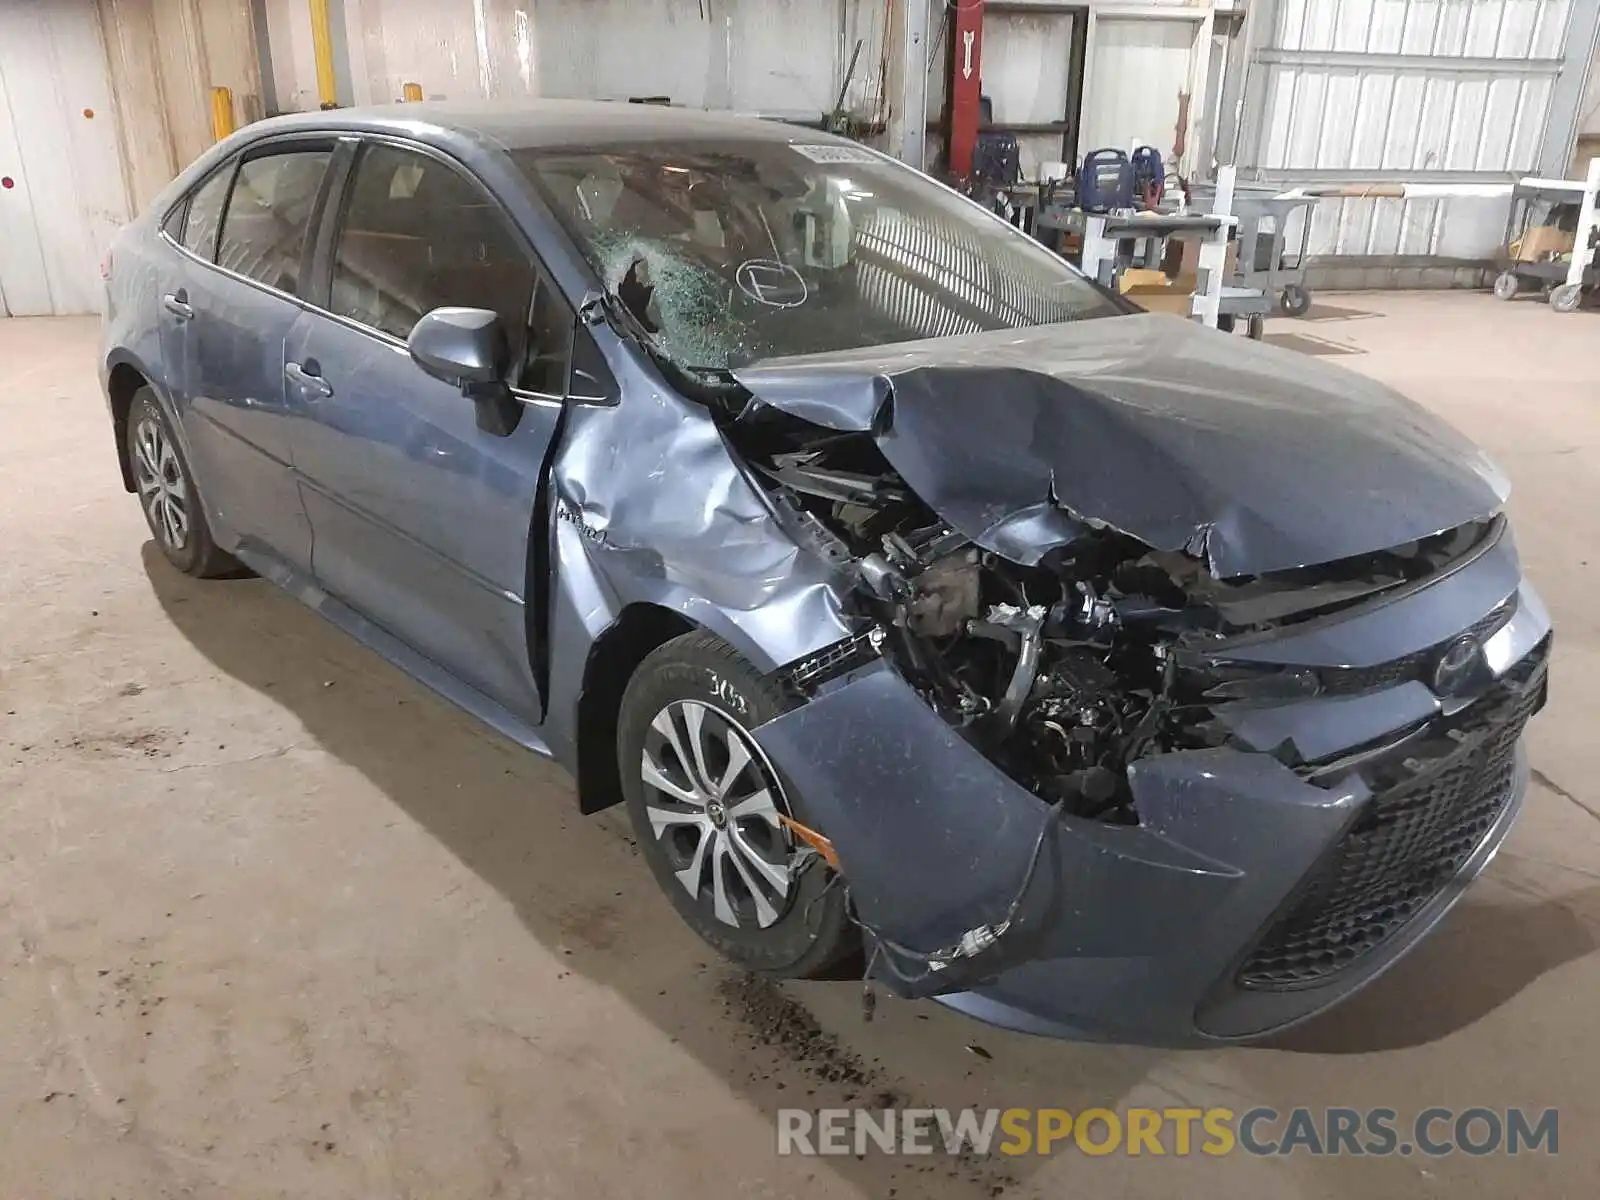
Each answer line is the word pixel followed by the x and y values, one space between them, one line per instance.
pixel 1296 301
pixel 704 802
pixel 169 495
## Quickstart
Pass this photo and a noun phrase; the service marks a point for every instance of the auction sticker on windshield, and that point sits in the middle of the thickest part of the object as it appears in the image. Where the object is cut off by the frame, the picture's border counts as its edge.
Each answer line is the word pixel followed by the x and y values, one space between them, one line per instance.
pixel 835 154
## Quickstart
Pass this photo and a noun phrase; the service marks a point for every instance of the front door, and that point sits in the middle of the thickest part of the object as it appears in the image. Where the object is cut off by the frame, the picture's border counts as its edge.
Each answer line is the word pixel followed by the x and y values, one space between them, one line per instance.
pixel 235 320
pixel 422 519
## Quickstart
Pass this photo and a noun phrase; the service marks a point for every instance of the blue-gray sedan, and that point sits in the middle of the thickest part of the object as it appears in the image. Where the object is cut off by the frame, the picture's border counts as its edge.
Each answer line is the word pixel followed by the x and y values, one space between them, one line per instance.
pixel 937 614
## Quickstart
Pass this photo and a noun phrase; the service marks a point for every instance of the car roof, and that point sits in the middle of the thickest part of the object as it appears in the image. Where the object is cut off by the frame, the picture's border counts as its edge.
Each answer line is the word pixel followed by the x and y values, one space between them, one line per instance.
pixel 528 124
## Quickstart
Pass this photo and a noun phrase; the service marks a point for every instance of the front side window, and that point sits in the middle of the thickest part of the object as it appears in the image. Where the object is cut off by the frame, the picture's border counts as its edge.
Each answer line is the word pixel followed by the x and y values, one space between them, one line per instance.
pixel 417 235
pixel 205 214
pixel 546 366
pixel 264 231
pixel 730 250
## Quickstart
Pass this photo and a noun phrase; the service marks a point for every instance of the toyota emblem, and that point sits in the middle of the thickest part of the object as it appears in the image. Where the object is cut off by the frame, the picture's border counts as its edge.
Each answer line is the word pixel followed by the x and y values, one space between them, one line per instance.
pixel 1456 663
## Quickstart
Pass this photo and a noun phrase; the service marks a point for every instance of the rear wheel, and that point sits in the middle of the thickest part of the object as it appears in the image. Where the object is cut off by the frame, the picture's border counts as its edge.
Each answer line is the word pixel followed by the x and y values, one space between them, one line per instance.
pixel 707 809
pixel 168 493
pixel 1296 301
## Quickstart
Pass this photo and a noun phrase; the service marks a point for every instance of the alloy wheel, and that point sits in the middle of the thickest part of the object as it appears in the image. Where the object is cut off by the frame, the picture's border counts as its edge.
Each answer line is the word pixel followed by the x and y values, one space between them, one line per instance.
pixel 714 805
pixel 163 490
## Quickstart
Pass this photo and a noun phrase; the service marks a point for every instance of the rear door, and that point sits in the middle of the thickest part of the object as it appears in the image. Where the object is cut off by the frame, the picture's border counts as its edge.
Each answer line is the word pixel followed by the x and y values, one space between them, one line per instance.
pixel 422 519
pixel 235 305
pixel 189 232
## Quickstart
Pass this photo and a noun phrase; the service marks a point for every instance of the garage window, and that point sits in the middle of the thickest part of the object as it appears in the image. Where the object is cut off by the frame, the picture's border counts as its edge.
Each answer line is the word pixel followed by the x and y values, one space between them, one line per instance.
pixel 264 232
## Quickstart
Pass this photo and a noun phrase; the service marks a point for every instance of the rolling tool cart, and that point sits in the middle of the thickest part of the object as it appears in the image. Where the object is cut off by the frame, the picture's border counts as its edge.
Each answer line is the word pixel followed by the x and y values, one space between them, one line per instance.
pixel 1552 229
pixel 1118 246
pixel 1264 261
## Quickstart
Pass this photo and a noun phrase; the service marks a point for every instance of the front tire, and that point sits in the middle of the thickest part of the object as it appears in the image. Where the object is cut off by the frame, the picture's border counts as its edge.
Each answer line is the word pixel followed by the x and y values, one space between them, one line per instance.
pixel 1566 298
pixel 705 805
pixel 169 495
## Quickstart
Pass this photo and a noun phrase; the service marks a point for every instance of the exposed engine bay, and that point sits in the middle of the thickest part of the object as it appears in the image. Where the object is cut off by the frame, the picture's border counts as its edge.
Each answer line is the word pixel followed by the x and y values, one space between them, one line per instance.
pixel 1062 672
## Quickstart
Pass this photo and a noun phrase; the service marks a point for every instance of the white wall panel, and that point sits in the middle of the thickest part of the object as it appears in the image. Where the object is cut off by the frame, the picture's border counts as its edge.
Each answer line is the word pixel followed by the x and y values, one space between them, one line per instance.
pixel 149 157
pixel 294 64
pixel 1138 65
pixel 1027 60
pixel 776 56
pixel 59 145
pixel 1589 113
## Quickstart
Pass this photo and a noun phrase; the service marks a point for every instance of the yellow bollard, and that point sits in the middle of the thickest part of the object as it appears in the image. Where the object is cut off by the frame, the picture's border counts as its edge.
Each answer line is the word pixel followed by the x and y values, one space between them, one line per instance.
pixel 411 92
pixel 322 50
pixel 221 113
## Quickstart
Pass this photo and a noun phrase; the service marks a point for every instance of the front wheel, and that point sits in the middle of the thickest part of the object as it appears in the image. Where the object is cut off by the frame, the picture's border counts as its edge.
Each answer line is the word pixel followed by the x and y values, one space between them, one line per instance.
pixel 708 808
pixel 1566 298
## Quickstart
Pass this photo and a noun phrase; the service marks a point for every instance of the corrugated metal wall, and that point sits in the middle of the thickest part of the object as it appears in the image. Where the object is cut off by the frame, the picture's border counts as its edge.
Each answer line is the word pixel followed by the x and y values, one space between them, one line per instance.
pixel 1445 91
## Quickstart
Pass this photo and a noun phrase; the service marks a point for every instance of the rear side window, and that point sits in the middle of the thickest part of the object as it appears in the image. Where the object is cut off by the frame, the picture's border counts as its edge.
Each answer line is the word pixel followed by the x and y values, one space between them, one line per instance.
pixel 417 235
pixel 264 232
pixel 205 214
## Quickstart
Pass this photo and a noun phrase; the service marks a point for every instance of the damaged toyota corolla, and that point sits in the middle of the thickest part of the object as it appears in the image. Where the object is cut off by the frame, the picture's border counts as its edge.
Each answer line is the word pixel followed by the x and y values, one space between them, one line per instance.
pixel 930 608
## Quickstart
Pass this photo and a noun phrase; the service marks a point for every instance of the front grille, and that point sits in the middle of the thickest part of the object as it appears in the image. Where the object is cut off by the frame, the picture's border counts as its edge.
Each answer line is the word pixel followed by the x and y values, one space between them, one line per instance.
pixel 1346 681
pixel 1429 811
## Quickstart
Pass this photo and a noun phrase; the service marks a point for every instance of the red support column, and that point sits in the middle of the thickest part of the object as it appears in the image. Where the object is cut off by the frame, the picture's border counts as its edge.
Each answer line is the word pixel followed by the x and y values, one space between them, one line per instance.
pixel 966 78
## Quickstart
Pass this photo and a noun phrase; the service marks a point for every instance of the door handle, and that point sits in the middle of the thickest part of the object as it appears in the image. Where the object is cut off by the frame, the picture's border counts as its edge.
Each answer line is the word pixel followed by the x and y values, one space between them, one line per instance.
pixel 177 303
pixel 313 383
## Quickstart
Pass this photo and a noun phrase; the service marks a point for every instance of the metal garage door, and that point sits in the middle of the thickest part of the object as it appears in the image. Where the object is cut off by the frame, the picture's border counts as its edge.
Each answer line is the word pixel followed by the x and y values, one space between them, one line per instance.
pixel 62 196
pixel 1431 91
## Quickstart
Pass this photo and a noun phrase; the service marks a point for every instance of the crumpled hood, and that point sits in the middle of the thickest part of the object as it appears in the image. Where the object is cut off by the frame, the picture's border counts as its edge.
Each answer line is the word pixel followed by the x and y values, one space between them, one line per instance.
pixel 1251 457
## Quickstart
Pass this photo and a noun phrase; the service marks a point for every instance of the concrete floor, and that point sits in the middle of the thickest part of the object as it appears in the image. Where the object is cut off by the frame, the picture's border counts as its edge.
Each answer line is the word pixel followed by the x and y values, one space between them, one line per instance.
pixel 276 922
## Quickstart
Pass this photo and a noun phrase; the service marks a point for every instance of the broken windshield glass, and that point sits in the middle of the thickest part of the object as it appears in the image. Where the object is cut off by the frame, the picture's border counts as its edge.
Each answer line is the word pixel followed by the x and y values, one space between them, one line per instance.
pixel 733 251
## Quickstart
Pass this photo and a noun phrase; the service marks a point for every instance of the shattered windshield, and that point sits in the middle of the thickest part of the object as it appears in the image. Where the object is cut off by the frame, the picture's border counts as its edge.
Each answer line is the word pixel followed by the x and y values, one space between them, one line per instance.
pixel 733 251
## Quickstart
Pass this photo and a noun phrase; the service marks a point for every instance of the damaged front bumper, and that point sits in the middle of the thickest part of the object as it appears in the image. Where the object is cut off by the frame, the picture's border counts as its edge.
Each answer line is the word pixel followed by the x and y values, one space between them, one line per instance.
pixel 1248 897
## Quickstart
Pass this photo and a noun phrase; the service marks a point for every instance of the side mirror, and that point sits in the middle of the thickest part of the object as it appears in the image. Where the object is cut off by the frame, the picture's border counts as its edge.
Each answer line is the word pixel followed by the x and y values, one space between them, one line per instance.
pixel 463 346
pixel 467 347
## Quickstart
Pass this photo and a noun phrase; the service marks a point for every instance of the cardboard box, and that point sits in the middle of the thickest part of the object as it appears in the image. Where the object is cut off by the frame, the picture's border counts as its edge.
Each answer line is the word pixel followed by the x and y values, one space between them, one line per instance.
pixel 1168 302
pixel 1141 277
pixel 1541 242
pixel 1163 298
pixel 1187 273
